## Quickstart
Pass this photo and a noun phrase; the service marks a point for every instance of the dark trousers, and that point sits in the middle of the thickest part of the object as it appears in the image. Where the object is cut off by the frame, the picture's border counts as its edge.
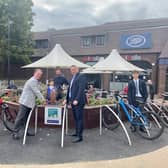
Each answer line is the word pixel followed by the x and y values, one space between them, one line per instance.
pixel 140 102
pixel 78 116
pixel 152 96
pixel 21 117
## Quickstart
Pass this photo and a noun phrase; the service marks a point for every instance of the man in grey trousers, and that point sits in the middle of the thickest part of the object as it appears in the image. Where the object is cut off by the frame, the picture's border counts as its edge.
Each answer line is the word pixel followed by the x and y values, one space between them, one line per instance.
pixel 27 101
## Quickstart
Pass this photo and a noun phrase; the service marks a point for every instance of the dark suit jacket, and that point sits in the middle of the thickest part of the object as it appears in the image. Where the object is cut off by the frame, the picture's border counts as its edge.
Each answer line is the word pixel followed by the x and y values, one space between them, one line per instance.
pixel 132 91
pixel 59 81
pixel 78 89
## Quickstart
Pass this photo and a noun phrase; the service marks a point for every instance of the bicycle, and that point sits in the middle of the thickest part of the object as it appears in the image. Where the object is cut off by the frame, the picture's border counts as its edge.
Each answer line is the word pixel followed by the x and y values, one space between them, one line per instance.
pixel 161 110
pixel 158 109
pixel 7 117
pixel 147 124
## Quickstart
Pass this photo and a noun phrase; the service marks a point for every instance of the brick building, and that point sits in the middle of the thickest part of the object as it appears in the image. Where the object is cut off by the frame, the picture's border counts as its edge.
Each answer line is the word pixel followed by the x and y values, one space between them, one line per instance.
pixel 142 42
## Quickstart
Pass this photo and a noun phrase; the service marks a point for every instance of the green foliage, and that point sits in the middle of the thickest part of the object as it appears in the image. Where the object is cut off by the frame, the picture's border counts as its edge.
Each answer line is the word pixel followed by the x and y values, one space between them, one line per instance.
pixel 102 101
pixel 16 20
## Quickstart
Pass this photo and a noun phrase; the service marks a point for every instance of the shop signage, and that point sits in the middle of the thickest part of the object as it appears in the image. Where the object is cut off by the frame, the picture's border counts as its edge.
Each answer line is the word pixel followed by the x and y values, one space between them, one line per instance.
pixel 133 57
pixel 163 61
pixel 136 41
pixel 53 115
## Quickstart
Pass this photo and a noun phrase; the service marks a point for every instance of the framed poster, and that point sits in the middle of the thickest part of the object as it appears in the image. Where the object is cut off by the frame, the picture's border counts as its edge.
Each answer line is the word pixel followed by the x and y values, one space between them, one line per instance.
pixel 53 115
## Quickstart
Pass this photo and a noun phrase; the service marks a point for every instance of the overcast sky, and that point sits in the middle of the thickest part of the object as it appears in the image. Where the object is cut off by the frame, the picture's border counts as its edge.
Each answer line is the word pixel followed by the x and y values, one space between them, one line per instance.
pixel 63 14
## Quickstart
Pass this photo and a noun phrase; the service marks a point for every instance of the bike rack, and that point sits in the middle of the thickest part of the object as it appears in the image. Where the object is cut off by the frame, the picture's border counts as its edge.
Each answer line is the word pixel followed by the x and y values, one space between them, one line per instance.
pixel 64 129
pixel 27 125
pixel 64 120
pixel 124 128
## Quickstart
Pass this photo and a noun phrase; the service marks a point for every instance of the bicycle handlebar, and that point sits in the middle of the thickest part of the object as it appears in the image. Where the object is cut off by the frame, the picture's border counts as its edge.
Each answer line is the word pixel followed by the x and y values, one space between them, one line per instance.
pixel 117 94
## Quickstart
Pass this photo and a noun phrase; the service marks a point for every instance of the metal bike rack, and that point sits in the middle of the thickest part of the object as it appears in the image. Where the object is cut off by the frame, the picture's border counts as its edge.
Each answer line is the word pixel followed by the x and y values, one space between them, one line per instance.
pixel 64 120
pixel 27 126
pixel 124 128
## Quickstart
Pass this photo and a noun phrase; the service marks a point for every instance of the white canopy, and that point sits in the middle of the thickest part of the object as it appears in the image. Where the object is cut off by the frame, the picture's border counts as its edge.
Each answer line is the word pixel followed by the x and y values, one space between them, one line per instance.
pixel 57 57
pixel 113 63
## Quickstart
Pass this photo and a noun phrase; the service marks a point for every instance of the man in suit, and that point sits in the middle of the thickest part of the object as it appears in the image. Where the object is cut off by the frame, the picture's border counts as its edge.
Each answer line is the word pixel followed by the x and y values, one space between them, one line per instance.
pixel 137 91
pixel 77 98
pixel 27 101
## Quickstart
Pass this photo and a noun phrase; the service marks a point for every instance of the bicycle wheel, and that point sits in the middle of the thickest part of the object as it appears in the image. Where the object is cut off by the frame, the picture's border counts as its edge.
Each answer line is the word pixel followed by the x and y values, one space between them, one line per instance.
pixel 152 126
pixel 109 120
pixel 161 111
pixel 164 118
pixel 8 119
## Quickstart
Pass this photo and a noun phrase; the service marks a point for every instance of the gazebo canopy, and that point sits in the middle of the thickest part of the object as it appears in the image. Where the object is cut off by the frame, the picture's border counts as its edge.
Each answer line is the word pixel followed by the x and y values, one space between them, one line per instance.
pixel 57 57
pixel 113 63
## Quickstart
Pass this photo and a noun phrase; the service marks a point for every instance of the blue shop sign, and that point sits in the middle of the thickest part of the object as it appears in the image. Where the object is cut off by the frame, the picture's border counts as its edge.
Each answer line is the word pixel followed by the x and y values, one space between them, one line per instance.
pixel 136 41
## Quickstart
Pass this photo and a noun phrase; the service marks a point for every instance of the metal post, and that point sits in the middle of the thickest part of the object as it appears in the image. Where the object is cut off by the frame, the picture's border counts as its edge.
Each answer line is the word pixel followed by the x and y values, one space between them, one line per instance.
pixel 100 120
pixel 27 125
pixel 66 129
pixel 36 118
pixel 63 127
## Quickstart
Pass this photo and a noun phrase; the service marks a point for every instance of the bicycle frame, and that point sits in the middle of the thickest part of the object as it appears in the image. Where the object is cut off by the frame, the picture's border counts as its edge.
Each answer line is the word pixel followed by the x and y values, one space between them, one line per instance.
pixel 136 113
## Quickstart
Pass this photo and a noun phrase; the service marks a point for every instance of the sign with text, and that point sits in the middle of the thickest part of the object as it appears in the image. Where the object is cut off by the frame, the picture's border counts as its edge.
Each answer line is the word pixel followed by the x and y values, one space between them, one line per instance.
pixel 136 41
pixel 53 115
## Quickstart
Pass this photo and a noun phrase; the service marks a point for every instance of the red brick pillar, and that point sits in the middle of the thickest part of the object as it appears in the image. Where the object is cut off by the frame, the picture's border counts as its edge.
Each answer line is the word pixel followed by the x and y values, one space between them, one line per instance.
pixel 162 79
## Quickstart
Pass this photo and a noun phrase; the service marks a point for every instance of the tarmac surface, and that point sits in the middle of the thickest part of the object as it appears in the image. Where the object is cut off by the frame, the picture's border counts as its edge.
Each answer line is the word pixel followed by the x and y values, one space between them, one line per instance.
pixel 45 148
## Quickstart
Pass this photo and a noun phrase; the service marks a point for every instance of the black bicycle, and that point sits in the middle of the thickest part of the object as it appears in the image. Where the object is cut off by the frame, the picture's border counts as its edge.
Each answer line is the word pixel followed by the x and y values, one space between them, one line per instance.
pixel 7 116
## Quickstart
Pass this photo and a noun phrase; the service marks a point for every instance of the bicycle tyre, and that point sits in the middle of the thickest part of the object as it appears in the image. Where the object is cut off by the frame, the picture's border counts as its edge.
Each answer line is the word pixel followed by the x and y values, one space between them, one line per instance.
pixel 7 119
pixel 162 112
pixel 148 131
pixel 164 118
pixel 109 120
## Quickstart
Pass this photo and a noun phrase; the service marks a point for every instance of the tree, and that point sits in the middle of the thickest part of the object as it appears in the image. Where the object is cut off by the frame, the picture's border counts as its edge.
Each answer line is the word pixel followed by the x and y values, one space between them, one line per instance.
pixel 16 21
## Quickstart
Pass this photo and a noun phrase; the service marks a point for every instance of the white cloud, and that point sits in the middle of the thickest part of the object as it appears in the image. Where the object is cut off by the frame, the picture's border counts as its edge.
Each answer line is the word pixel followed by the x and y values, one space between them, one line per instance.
pixel 61 14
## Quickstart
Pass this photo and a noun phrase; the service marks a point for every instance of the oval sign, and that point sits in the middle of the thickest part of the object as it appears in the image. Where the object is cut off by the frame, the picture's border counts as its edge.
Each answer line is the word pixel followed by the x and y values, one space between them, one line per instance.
pixel 136 41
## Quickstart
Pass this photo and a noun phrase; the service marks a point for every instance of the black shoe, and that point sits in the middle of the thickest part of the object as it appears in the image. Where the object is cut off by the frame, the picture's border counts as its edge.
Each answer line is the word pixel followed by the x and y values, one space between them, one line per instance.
pixel 133 128
pixel 30 134
pixel 15 136
pixel 77 140
pixel 142 129
pixel 74 135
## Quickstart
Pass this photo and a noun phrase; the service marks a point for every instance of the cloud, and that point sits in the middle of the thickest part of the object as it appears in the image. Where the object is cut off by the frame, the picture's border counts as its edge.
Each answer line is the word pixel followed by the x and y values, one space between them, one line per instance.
pixel 61 14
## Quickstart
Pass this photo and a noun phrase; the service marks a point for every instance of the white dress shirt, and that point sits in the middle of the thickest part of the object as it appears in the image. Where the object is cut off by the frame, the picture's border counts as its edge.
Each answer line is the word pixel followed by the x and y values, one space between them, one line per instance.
pixel 136 82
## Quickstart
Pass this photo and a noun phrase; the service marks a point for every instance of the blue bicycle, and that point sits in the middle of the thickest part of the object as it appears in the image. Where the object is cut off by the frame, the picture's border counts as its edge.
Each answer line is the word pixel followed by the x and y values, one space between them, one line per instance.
pixel 147 124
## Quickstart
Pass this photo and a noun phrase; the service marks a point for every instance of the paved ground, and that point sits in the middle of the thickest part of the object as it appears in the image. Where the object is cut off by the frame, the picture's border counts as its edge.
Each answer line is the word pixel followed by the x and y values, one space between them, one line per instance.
pixel 150 160
pixel 45 147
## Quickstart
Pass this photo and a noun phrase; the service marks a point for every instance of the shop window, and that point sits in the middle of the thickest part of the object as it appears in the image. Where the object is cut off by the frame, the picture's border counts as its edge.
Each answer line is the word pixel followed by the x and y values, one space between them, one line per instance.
pixel 92 40
pixel 41 43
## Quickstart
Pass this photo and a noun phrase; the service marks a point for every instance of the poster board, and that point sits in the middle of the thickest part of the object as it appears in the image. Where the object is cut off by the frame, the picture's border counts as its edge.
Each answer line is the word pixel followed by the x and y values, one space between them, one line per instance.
pixel 53 115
